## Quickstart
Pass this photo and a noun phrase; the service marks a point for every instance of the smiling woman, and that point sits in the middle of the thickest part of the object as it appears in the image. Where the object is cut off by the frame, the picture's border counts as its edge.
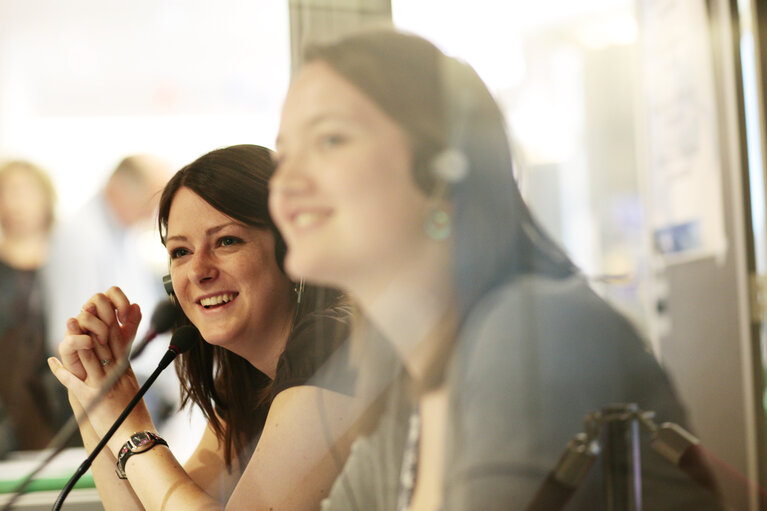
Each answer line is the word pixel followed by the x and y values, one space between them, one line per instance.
pixel 264 338
pixel 226 278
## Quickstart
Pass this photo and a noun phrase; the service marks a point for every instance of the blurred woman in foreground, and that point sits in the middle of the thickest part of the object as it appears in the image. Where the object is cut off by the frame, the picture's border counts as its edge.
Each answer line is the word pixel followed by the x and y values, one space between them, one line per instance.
pixel 394 183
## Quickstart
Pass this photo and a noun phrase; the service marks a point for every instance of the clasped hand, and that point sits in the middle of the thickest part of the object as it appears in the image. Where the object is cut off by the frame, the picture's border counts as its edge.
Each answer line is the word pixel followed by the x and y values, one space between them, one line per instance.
pixel 95 339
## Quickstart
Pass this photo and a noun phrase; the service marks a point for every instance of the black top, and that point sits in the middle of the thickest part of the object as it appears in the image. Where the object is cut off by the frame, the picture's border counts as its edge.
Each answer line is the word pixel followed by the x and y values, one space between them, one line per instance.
pixel 318 341
pixel 28 413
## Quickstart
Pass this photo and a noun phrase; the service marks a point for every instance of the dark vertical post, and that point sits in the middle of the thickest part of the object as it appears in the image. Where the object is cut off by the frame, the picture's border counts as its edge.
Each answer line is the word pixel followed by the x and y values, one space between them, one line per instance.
pixel 322 20
pixel 621 460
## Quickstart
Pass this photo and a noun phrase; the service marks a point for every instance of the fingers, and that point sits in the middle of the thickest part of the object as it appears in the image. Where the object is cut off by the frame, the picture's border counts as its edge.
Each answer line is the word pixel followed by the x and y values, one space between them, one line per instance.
pixel 70 347
pixel 103 310
pixel 82 355
pixel 99 334
pixel 102 316
pixel 99 331
pixel 120 339
pixel 79 391
pixel 66 378
pixel 95 321
pixel 92 362
pixel 119 302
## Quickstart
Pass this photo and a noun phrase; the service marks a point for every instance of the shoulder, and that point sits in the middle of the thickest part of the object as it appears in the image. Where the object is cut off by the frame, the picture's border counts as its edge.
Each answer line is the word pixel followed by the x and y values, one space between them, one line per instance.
pixel 566 347
pixel 554 337
pixel 545 309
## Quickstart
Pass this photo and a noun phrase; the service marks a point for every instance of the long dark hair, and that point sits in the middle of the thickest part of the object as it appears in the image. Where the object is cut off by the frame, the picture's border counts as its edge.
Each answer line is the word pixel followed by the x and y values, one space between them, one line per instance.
pixel 234 180
pixel 442 104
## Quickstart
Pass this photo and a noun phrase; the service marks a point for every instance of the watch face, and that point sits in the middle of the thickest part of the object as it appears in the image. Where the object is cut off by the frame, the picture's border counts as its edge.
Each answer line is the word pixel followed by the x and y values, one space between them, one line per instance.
pixel 141 441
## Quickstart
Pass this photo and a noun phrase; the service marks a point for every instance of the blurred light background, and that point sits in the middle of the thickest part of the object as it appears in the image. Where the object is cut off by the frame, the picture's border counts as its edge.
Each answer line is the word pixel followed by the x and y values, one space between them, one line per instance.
pixel 86 82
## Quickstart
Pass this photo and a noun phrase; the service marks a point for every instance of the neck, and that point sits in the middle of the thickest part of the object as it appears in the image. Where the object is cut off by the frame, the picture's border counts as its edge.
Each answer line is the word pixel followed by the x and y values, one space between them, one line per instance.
pixel 264 353
pixel 24 252
pixel 413 307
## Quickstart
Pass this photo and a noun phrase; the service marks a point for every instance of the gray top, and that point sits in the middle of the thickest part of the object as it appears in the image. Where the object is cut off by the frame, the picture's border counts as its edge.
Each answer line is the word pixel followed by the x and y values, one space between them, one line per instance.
pixel 533 358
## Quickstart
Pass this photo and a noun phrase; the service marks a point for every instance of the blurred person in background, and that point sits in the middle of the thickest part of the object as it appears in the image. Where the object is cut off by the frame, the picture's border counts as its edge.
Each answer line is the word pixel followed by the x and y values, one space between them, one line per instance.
pixel 394 183
pixel 28 412
pixel 107 242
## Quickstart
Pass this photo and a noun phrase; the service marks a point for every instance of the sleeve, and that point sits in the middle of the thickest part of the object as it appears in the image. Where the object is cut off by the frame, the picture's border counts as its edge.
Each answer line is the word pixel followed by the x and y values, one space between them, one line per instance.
pixel 493 454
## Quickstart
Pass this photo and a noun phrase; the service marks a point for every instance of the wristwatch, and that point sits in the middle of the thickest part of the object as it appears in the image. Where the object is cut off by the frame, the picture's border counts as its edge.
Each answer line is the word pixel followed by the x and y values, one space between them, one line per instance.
pixel 138 443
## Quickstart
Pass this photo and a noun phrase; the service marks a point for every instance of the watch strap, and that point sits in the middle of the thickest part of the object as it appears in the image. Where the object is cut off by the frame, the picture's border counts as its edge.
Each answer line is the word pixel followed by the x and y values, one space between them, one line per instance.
pixel 138 443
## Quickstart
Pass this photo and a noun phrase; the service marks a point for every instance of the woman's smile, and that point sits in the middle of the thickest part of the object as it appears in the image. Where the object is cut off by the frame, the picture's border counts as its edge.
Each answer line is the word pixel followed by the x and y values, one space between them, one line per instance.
pixel 217 301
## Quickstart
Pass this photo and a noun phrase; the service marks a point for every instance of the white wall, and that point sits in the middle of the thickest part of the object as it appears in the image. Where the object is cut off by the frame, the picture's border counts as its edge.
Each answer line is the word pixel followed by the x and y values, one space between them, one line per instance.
pixel 85 82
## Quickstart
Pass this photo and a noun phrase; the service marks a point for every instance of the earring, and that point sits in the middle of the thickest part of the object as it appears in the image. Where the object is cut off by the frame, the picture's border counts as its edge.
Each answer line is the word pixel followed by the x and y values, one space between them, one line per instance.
pixel 437 224
pixel 299 290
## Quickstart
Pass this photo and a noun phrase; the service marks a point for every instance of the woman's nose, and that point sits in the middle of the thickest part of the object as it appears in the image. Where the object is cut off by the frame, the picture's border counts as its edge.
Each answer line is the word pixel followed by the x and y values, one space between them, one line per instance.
pixel 203 266
pixel 289 179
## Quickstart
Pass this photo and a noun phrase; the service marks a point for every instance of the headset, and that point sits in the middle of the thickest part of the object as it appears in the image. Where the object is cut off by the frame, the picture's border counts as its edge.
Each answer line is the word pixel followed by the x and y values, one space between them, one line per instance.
pixel 167 283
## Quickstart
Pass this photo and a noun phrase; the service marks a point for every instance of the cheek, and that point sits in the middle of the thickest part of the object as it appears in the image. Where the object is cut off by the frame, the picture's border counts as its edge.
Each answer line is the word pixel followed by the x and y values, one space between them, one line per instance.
pixel 276 207
pixel 361 181
pixel 386 195
pixel 180 289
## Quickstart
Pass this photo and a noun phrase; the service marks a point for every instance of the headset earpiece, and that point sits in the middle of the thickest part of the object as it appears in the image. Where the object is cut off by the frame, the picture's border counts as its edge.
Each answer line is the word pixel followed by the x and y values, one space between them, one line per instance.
pixel 167 283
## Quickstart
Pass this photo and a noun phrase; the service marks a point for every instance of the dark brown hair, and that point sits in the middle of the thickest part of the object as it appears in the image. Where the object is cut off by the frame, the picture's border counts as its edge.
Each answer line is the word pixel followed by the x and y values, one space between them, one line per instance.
pixel 234 180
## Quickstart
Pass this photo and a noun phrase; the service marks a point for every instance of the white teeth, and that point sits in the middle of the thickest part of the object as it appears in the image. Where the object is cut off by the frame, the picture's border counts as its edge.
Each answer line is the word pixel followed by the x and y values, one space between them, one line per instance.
pixel 306 219
pixel 217 300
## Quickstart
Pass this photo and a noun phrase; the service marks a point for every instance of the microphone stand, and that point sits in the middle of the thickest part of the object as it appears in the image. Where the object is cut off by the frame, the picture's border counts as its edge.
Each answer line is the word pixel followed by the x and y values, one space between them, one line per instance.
pixel 622 467
pixel 621 458
pixel 85 465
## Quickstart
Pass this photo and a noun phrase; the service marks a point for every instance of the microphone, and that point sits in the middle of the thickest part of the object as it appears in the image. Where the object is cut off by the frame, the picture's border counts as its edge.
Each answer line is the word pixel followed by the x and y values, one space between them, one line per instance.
pixel 162 320
pixel 183 340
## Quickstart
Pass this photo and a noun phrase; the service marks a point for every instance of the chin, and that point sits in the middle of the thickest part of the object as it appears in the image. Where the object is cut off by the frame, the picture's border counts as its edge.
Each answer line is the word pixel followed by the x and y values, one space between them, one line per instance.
pixel 216 340
pixel 312 270
pixel 213 336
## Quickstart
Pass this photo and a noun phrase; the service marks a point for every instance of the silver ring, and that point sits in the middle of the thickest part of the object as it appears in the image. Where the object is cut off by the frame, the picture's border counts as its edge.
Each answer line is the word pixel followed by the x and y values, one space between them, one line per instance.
pixel 105 362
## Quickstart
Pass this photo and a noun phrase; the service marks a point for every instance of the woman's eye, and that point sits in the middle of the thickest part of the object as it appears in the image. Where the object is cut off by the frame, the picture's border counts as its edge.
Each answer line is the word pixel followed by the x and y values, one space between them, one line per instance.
pixel 331 140
pixel 228 241
pixel 178 252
